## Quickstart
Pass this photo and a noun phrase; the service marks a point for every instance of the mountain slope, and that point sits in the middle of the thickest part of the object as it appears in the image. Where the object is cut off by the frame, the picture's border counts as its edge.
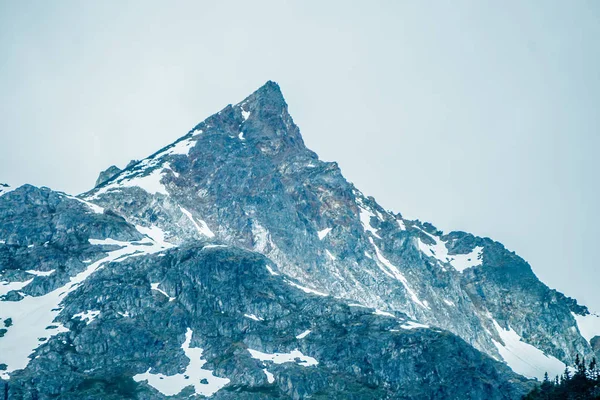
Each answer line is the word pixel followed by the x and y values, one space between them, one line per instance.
pixel 245 177
pixel 109 310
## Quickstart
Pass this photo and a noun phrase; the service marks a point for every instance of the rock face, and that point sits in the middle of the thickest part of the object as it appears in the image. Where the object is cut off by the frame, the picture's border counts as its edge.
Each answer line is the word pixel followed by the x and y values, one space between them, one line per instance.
pixel 145 312
pixel 245 177
pixel 107 174
pixel 234 263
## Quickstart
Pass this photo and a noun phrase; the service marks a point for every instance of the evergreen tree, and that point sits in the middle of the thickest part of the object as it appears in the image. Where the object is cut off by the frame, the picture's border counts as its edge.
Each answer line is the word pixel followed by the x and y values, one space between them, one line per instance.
pixel 584 384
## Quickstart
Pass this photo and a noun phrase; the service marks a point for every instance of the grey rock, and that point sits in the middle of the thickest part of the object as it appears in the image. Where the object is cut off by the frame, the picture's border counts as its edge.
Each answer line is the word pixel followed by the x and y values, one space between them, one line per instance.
pixel 360 355
pixel 107 174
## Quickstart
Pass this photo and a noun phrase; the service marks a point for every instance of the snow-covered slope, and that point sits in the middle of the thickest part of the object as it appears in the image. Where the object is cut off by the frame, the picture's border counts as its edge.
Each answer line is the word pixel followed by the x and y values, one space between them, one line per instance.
pixel 5 188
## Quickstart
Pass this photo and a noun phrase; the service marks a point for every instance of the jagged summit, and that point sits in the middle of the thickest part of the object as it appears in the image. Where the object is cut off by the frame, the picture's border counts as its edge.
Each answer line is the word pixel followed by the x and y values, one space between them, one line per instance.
pixel 269 93
pixel 260 122
pixel 261 118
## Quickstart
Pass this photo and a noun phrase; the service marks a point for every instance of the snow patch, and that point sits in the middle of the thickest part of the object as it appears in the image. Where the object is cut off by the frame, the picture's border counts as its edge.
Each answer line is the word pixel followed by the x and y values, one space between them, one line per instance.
pixel 96 209
pixel 87 316
pixel 588 325
pixel 305 289
pixel 271 270
pixel 151 183
pixel 331 256
pixel 5 188
pixel 182 147
pixel 280 358
pixel 523 358
pixel 172 385
pixel 40 273
pixel 254 317
pixel 154 286
pixel 156 235
pixel 270 376
pixel 201 226
pixel 413 325
pixel 6 286
pixel 245 114
pixel 401 224
pixel 323 233
pixel 384 313
pixel 214 246
pixel 393 272
pixel 439 251
pixel 303 334
pixel 365 218
pixel 357 305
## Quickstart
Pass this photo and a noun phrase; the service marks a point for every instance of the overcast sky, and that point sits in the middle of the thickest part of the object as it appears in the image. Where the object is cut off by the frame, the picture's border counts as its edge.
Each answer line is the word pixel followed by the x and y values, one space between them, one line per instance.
pixel 474 115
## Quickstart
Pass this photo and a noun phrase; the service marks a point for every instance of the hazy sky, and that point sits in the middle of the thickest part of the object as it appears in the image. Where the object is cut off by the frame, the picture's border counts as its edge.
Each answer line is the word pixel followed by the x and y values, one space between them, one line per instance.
pixel 474 115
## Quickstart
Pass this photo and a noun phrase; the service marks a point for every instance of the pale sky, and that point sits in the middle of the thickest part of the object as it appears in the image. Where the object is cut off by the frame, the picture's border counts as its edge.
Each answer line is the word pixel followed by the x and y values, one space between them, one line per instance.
pixel 477 115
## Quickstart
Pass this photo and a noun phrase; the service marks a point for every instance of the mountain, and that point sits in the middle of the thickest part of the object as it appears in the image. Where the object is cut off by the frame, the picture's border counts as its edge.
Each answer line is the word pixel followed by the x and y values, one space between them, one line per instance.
pixel 235 263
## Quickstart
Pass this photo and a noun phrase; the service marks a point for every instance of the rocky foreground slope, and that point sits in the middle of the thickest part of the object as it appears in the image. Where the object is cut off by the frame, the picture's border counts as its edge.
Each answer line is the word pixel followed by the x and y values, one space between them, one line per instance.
pixel 107 311
pixel 235 263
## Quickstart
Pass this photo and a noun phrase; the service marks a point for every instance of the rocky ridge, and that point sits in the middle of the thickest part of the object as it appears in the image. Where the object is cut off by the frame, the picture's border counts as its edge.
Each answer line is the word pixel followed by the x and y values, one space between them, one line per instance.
pixel 98 308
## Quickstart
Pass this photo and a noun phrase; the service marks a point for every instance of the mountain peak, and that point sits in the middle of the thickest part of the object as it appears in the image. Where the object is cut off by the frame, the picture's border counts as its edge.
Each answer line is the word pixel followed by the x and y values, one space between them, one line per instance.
pixel 270 90
pixel 262 119
pixel 268 96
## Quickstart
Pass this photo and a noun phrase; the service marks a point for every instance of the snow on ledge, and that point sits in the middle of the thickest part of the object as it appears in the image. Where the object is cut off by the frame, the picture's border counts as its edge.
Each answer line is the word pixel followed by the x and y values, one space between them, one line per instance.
pixel 392 271
pixel 365 218
pixel 280 358
pixel 323 233
pixel 87 316
pixel 383 313
pixel 329 255
pixel 303 334
pixel 154 286
pixel 305 289
pixel 200 226
pixel 40 273
pixel 439 251
pixel 271 270
pixel 253 317
pixel 413 325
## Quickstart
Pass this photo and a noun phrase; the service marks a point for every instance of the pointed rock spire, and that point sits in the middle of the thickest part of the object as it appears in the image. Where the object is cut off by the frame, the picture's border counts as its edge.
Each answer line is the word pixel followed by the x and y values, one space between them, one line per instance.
pixel 267 96
pixel 262 119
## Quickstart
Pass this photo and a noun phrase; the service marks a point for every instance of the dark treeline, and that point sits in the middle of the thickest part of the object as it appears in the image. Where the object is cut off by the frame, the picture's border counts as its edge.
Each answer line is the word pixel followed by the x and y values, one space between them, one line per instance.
pixel 582 384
